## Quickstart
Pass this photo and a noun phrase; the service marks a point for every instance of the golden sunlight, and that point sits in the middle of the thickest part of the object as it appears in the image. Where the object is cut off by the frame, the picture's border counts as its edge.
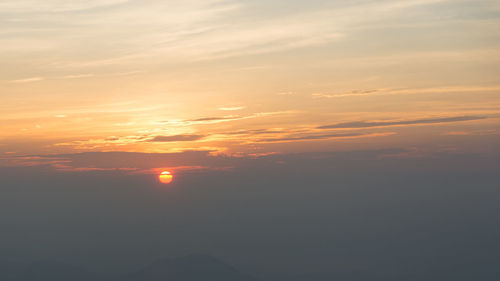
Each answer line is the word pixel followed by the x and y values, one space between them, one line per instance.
pixel 165 177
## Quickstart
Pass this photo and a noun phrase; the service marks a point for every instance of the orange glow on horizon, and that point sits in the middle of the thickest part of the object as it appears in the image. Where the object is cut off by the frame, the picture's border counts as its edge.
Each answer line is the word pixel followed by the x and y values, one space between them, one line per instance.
pixel 165 177
pixel 252 89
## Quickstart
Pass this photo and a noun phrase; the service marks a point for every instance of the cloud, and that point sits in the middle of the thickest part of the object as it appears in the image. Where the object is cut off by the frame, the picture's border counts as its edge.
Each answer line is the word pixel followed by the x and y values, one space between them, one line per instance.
pixel 457 133
pixel 255 132
pixel 471 133
pixel 350 94
pixel 204 119
pixel 75 76
pixel 285 93
pixel 30 6
pixel 183 30
pixel 123 161
pixel 111 141
pixel 231 108
pixel 325 136
pixel 36 79
pixel 219 119
pixel 27 80
pixel 201 31
pixel 409 91
pixel 176 138
pixel 370 124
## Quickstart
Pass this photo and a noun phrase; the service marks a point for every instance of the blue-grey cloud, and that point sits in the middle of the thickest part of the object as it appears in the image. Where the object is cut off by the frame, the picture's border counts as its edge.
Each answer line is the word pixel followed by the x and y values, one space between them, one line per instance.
pixel 313 137
pixel 369 124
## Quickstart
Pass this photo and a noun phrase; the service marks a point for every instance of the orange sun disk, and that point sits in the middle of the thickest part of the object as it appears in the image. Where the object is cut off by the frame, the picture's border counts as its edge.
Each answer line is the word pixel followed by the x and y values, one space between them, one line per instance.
pixel 165 177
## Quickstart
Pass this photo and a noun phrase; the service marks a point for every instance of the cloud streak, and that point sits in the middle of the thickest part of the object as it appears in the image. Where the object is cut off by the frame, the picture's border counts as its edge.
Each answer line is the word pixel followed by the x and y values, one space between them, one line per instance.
pixel 132 162
pixel 370 124
pixel 313 137
pixel 176 138
pixel 384 92
pixel 56 6
pixel 234 108
pixel 205 35
pixel 219 119
pixel 27 80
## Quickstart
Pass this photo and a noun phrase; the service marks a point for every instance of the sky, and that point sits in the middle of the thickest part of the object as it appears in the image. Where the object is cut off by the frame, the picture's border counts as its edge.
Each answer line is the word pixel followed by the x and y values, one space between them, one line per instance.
pixel 246 77
pixel 309 113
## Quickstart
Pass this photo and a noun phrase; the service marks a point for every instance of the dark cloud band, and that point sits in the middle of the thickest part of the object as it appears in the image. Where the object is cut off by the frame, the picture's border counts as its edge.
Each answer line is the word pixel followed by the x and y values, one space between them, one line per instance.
pixel 370 124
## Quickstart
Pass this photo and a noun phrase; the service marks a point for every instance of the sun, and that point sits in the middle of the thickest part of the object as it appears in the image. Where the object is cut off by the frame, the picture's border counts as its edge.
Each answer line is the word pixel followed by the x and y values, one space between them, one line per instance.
pixel 165 177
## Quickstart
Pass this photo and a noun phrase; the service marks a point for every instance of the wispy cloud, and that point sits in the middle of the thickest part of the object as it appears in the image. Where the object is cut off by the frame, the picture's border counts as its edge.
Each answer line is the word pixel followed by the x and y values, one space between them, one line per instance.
pixel 285 93
pixel 471 133
pixel 176 138
pixel 27 80
pixel 77 76
pixel 184 30
pixel 257 132
pixel 219 119
pixel 370 124
pixel 234 108
pixel 210 119
pixel 37 79
pixel 123 161
pixel 101 143
pixel 74 76
pixel 408 91
pixel 312 137
pixel 51 6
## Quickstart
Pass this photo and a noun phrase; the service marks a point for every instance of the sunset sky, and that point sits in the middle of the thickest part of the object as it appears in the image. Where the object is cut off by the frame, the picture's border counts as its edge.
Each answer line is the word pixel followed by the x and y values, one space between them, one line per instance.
pixel 247 77
pixel 118 90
